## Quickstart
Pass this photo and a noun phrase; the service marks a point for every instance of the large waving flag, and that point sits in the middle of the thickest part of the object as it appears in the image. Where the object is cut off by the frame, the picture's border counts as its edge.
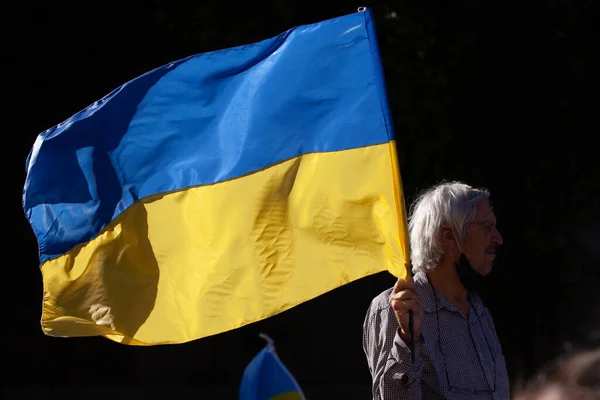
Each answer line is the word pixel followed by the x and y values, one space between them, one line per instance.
pixel 220 189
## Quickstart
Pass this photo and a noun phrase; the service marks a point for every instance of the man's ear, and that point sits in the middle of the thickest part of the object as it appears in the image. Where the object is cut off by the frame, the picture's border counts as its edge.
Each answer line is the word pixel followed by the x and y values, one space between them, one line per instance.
pixel 447 237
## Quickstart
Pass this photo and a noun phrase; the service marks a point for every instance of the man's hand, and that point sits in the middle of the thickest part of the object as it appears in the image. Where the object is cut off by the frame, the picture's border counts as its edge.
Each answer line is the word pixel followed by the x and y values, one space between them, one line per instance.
pixel 405 297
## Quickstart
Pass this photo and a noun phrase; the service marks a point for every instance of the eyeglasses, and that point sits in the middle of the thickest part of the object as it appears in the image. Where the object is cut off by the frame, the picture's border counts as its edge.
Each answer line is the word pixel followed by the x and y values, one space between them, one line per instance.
pixel 456 388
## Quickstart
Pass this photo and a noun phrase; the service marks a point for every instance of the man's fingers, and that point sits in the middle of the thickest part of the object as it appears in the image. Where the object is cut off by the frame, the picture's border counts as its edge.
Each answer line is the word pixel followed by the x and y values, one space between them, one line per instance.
pixel 405 297
pixel 402 284
pixel 397 286
pixel 405 294
pixel 403 306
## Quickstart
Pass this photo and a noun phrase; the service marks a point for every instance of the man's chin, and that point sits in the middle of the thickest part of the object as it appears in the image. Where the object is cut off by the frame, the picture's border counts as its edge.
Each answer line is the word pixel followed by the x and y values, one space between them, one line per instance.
pixel 487 269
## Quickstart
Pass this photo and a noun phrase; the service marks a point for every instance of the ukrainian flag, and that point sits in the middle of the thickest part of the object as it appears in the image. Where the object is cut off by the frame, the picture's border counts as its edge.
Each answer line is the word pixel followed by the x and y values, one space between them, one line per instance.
pixel 267 378
pixel 220 189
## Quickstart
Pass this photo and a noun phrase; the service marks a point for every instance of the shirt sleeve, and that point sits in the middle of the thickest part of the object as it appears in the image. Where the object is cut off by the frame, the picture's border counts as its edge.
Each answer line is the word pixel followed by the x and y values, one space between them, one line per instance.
pixel 389 358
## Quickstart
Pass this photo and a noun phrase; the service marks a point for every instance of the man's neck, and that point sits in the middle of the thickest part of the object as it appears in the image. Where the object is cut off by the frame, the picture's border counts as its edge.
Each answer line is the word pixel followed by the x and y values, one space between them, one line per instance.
pixel 445 281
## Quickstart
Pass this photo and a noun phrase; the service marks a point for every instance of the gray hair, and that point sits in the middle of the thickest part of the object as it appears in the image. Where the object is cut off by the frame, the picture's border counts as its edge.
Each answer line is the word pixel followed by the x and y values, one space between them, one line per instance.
pixel 448 203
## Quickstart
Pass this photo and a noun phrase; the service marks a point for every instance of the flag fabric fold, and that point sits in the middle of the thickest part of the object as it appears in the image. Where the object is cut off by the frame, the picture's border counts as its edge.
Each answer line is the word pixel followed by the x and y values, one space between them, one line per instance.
pixel 220 189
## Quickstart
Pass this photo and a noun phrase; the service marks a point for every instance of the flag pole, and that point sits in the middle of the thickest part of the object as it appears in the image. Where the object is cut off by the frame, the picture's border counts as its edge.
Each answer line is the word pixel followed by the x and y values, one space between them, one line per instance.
pixel 407 261
pixel 411 327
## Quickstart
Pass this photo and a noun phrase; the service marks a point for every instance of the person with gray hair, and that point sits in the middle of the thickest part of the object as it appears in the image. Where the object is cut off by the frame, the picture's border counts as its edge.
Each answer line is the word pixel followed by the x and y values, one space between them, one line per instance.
pixel 456 353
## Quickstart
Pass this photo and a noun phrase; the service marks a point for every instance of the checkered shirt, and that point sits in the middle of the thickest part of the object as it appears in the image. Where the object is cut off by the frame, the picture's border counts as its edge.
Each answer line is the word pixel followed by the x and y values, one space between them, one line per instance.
pixel 461 360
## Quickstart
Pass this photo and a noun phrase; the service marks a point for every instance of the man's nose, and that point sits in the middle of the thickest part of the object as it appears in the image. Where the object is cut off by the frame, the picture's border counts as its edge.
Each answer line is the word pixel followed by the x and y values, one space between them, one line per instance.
pixel 497 238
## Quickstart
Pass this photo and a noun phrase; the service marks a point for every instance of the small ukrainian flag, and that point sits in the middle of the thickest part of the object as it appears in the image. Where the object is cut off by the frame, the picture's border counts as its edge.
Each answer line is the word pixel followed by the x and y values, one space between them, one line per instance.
pixel 266 378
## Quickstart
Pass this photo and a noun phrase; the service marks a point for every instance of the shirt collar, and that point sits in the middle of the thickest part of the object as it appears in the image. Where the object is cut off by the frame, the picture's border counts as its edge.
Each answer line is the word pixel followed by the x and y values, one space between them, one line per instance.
pixel 429 302
pixel 427 294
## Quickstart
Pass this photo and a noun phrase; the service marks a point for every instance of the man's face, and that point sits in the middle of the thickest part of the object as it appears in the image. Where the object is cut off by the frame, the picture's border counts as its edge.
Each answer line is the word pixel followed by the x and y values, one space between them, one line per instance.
pixel 482 239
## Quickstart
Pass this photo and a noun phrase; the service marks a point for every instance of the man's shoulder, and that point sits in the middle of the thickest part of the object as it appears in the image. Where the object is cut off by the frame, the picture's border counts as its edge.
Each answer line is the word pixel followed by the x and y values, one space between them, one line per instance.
pixel 381 301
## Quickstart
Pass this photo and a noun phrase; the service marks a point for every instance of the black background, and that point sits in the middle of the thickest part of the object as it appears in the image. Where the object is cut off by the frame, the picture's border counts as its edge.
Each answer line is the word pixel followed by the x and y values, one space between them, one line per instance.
pixel 496 94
